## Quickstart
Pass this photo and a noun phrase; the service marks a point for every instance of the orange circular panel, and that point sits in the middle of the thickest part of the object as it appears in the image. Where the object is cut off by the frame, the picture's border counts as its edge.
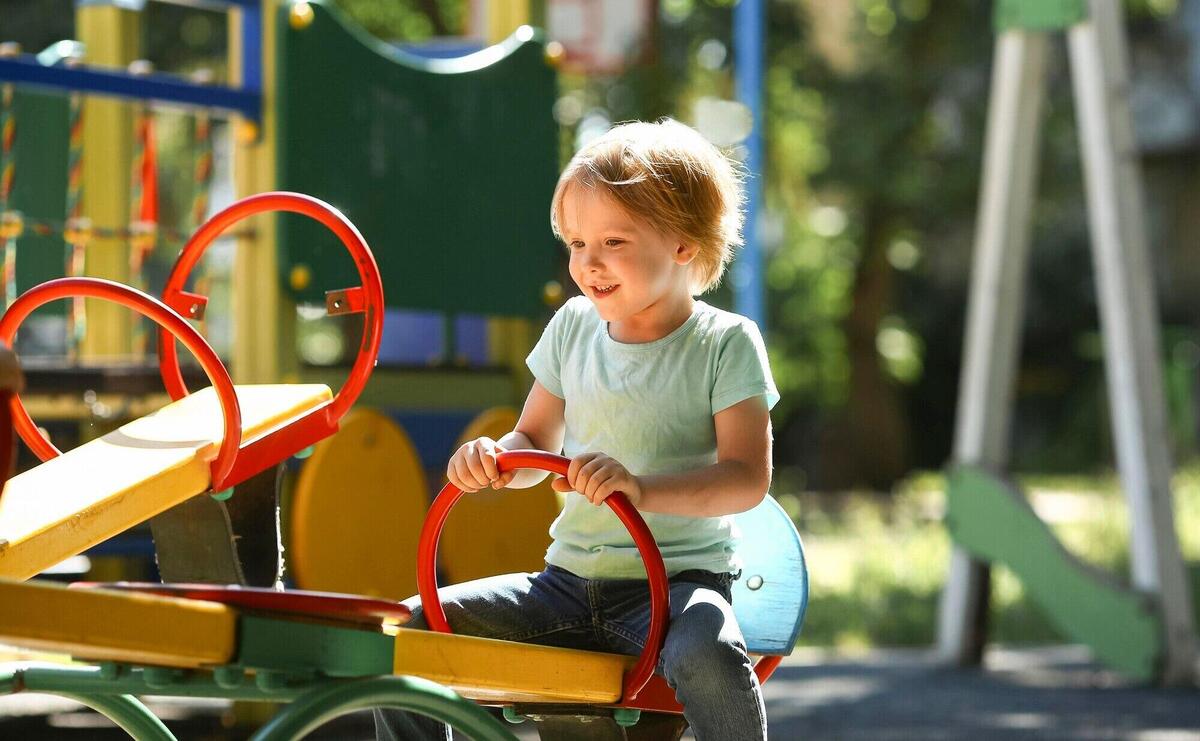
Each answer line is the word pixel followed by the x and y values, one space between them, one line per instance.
pixel 497 532
pixel 357 510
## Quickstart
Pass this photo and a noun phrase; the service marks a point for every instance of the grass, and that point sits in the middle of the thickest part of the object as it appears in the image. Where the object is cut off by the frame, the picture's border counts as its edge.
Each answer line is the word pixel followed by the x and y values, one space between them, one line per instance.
pixel 877 562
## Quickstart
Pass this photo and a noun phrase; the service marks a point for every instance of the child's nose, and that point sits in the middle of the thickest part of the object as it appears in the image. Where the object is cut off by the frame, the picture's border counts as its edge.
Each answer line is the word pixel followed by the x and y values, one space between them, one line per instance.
pixel 591 259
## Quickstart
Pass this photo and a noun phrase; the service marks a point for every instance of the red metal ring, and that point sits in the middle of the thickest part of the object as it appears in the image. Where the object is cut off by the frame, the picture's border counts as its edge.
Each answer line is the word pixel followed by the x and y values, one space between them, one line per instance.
pixel 166 318
pixel 331 218
pixel 656 572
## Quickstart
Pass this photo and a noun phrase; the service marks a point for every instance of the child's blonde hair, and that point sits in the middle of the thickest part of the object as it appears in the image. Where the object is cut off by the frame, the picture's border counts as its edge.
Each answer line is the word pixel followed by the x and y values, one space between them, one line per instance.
pixel 671 177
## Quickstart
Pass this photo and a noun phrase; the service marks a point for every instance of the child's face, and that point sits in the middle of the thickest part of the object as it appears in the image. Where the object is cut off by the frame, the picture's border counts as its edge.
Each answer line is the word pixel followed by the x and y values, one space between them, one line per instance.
pixel 636 276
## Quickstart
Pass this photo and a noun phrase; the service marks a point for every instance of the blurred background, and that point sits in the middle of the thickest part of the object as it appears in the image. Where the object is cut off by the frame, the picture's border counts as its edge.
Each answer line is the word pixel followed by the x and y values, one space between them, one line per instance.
pixel 872 116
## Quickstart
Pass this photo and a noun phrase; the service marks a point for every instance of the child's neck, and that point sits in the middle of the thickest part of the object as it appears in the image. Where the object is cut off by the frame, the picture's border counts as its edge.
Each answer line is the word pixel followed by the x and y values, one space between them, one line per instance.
pixel 654 322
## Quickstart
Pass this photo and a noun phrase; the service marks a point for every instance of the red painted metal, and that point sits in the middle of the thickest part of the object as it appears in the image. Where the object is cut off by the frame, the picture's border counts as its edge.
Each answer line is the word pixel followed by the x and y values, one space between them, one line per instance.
pixel 766 666
pixel 282 443
pixel 660 698
pixel 371 304
pixel 656 573
pixel 343 608
pixel 166 318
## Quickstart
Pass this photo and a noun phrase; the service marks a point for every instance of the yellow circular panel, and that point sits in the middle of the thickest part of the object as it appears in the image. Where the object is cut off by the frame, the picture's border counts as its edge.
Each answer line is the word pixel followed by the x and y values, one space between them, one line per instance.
pixel 357 510
pixel 497 532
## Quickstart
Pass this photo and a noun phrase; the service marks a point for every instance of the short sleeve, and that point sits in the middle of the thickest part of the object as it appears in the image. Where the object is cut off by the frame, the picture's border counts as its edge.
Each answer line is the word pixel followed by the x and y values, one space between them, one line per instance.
pixel 545 360
pixel 742 368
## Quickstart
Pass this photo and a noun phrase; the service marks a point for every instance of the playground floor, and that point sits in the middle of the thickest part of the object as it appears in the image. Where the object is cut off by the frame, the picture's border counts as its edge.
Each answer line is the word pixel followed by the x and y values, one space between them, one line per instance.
pixel 1024 693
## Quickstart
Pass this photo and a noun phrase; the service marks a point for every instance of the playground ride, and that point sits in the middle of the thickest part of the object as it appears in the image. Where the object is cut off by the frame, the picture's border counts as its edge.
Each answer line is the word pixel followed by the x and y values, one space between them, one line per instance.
pixel 1145 630
pixel 78 179
pixel 331 654
pixel 325 654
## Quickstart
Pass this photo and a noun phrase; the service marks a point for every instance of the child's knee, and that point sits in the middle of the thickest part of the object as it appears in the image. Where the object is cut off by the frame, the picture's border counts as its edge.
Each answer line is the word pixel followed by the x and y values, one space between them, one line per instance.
pixel 721 665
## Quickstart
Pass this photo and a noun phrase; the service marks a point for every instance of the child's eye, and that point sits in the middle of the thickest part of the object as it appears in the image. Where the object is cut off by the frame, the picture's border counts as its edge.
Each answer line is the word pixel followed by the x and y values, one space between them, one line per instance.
pixel 576 245
pixel 614 242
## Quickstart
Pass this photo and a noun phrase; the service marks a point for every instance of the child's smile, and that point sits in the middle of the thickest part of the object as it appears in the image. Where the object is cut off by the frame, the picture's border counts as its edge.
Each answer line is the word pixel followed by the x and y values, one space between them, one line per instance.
pixel 636 276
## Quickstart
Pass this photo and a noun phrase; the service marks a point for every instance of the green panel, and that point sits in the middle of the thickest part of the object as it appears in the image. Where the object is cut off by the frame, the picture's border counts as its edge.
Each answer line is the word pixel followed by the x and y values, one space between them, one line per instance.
pixel 290 646
pixel 389 388
pixel 445 166
pixel 40 187
pixel 995 522
pixel 1038 15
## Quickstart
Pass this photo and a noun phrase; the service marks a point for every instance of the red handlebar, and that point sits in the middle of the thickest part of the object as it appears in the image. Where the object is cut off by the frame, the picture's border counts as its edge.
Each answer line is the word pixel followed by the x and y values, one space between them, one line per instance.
pixel 368 298
pixel 170 322
pixel 656 572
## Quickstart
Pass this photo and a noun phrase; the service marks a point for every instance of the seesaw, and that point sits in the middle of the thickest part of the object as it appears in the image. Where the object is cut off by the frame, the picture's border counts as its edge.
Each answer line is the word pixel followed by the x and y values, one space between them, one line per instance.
pixel 331 654
pixel 323 654
pixel 211 441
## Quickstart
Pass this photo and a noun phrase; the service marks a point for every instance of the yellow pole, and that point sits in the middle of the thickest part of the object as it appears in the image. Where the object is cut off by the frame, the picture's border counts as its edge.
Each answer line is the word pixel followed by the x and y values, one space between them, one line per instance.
pixel 504 17
pixel 263 336
pixel 112 37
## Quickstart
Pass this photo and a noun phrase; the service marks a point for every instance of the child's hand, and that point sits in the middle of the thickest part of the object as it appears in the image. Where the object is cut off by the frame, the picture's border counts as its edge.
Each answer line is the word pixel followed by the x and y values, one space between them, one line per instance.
pixel 473 466
pixel 597 476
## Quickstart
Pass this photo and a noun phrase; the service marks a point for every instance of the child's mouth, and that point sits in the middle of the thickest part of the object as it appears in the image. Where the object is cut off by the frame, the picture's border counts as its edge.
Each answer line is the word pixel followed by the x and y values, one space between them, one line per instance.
pixel 603 291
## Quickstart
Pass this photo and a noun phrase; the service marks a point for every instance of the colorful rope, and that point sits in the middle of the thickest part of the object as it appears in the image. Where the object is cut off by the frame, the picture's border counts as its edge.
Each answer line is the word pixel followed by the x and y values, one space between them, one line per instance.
pixel 202 174
pixel 77 231
pixel 143 223
pixel 11 223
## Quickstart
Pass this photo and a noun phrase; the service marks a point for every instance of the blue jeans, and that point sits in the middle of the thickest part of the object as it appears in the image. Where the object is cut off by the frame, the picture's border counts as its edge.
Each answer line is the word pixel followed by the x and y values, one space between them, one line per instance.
pixel 703 659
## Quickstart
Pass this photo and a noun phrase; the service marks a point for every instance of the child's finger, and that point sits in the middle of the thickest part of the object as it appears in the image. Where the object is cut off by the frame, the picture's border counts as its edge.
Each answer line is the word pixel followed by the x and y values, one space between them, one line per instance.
pixel 596 485
pixel 459 476
pixel 561 484
pixel 477 472
pixel 490 467
pixel 587 472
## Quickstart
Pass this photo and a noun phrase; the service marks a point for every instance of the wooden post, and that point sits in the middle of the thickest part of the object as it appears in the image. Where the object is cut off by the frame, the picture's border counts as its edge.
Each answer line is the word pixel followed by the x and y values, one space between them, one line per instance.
pixel 1129 320
pixel 994 314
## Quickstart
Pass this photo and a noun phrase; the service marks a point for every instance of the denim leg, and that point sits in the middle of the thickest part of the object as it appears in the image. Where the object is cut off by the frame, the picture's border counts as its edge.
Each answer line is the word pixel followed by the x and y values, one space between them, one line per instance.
pixel 704 656
pixel 549 608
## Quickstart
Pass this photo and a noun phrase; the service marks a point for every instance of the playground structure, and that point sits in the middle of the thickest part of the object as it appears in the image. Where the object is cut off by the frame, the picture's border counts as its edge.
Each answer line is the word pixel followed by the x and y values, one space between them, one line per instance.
pixel 298 74
pixel 327 654
pixel 1147 631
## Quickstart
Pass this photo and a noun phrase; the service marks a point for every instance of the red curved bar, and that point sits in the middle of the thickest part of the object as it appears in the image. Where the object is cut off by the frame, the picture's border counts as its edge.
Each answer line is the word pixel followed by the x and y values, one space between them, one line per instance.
pixel 163 315
pixel 766 666
pixel 656 572
pixel 343 608
pixel 331 218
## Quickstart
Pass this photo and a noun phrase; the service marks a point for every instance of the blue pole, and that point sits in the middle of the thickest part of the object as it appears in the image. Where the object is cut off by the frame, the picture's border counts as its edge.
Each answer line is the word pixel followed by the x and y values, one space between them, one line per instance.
pixel 749 27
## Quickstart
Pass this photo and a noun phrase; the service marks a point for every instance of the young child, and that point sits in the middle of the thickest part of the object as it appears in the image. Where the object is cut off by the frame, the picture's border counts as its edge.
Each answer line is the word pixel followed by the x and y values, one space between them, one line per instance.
pixel 651 393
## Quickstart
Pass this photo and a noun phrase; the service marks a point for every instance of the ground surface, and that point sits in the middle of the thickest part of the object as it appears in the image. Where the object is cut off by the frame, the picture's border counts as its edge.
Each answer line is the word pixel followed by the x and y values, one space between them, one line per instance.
pixel 1045 693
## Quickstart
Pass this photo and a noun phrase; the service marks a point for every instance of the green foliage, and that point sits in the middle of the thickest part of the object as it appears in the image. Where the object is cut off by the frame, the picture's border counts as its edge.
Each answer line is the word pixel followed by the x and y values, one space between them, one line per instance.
pixel 406 20
pixel 877 564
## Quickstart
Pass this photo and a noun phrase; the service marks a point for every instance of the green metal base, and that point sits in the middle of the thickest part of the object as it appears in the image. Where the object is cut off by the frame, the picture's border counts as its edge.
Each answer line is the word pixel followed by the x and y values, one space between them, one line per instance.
pixel 995 522
pixel 1038 15
pixel 110 689
pixel 406 693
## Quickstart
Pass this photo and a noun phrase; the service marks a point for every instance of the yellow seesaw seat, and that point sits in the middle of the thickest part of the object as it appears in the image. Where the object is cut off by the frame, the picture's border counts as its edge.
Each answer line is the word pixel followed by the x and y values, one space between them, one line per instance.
pixel 488 670
pixel 117 626
pixel 101 488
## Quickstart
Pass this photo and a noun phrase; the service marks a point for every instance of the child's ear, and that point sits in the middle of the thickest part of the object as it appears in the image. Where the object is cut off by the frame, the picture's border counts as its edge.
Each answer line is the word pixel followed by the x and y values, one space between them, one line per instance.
pixel 685 252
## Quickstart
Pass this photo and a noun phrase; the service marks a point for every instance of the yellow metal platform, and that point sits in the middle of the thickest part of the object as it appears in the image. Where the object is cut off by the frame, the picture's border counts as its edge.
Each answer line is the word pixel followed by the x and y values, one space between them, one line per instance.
pixel 116 626
pixel 503 671
pixel 106 486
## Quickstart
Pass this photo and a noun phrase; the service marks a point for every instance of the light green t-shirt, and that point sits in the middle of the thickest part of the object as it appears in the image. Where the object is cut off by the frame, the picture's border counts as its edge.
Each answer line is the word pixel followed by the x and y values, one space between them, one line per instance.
pixel 649 406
